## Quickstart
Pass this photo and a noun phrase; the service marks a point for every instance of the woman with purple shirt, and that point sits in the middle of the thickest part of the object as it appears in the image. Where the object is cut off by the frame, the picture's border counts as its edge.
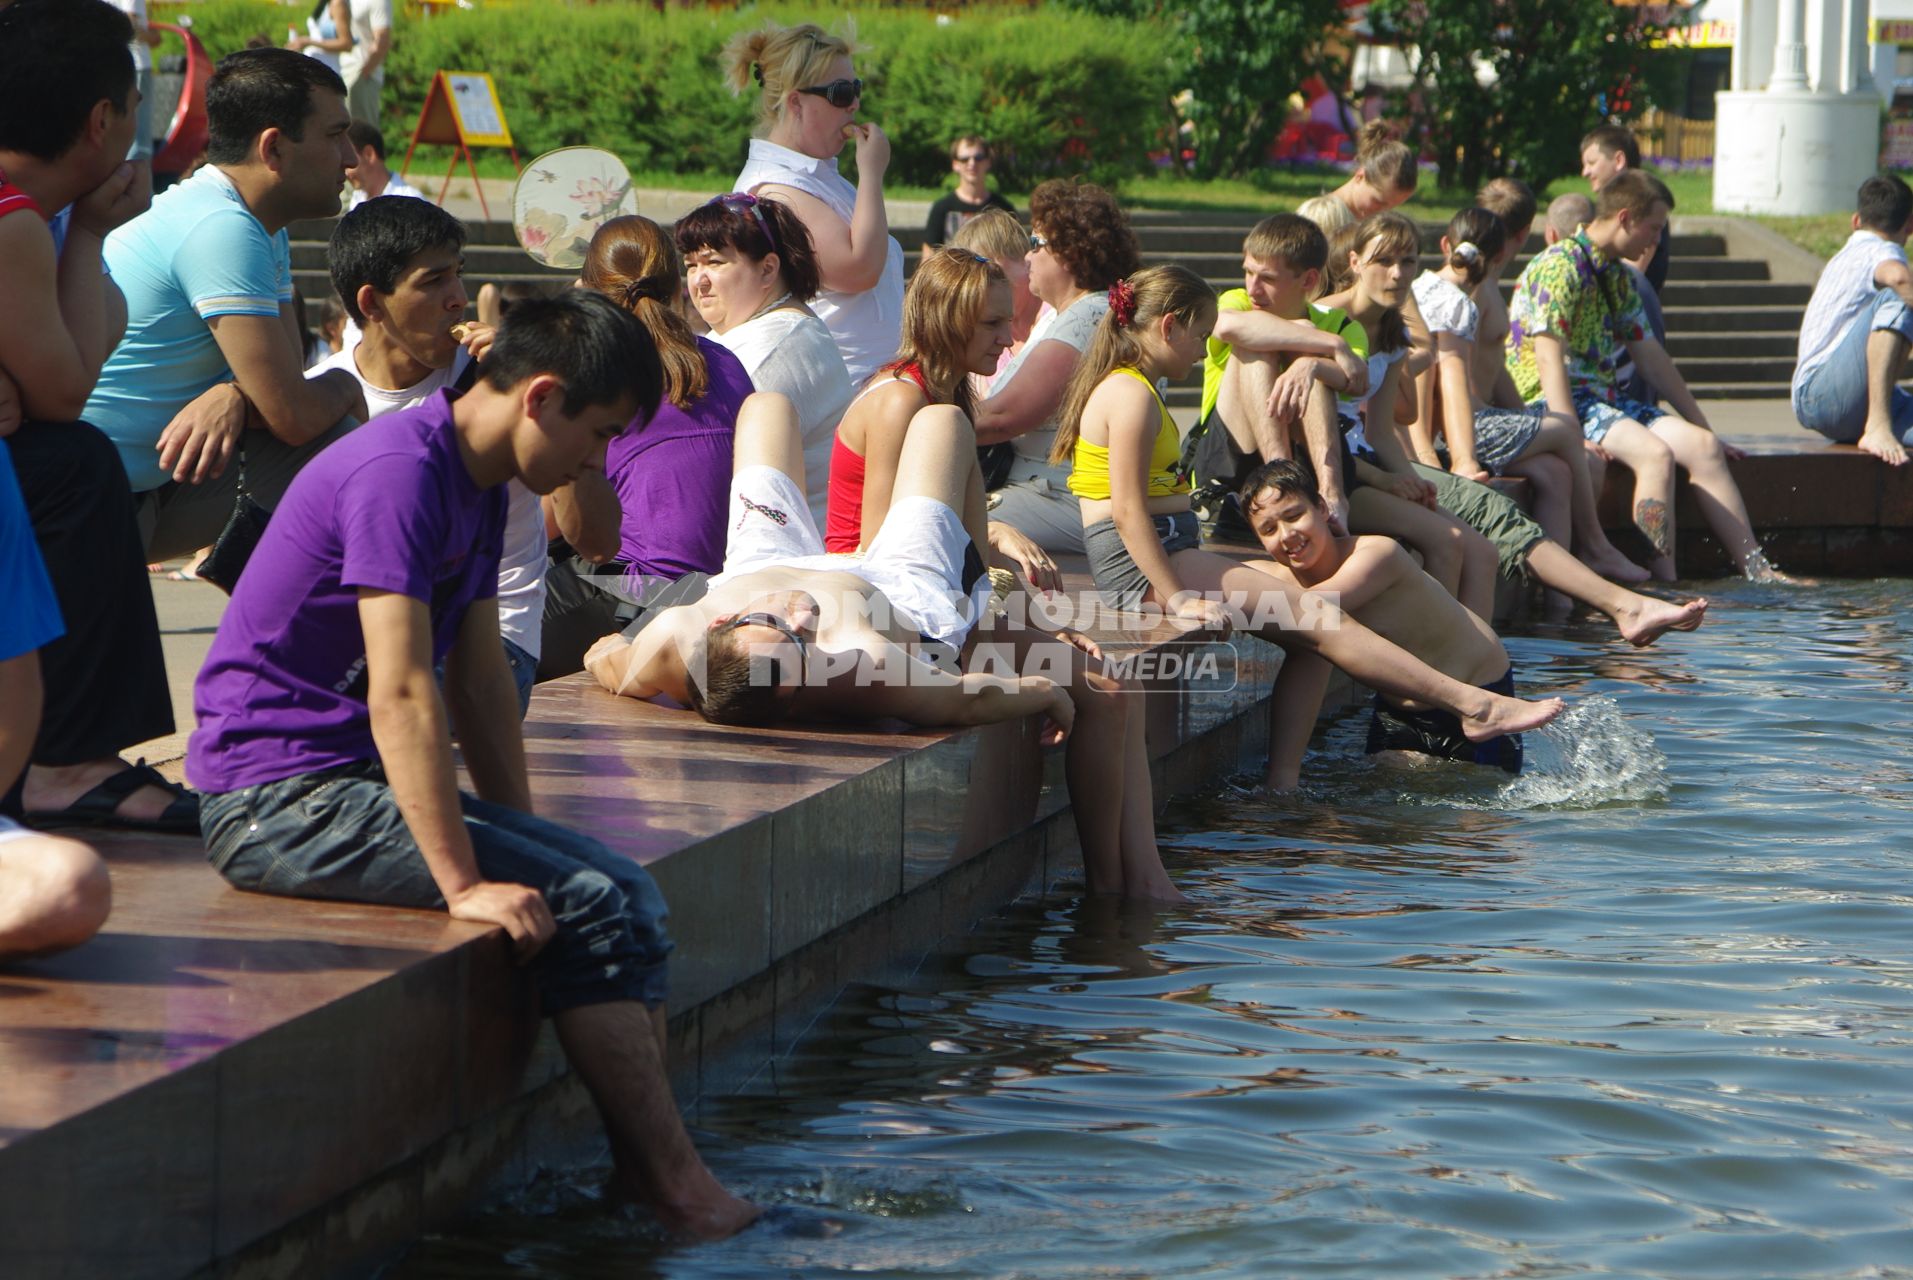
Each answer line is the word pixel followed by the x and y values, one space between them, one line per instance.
pixel 673 473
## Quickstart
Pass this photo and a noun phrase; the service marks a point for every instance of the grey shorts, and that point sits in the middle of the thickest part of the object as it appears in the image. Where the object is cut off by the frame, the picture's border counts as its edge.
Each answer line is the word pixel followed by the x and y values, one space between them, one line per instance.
pixel 1123 585
pixel 1501 435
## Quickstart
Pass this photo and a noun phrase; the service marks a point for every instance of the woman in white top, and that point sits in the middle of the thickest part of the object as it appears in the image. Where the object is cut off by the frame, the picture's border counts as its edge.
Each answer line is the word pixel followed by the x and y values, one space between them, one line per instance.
pixel 1483 440
pixel 1081 244
pixel 807 108
pixel 328 32
pixel 750 269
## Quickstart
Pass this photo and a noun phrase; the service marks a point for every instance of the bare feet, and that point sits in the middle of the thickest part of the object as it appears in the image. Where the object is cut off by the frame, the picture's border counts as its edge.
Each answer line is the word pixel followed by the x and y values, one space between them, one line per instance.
pixel 1882 444
pixel 1503 714
pixel 1607 561
pixel 1160 891
pixel 51 788
pixel 1662 568
pixel 712 1214
pixel 1644 618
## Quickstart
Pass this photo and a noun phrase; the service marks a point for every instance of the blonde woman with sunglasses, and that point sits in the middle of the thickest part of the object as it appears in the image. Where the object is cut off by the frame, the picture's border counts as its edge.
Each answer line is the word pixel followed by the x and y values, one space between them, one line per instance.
pixel 808 95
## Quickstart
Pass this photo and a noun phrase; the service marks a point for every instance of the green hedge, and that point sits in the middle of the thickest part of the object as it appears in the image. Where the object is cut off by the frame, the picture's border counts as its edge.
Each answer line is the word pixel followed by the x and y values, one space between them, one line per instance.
pixel 1058 92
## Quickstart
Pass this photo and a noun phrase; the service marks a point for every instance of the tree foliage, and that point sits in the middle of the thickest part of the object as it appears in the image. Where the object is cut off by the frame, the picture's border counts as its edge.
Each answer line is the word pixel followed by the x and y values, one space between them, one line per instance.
pixel 1239 61
pixel 1510 86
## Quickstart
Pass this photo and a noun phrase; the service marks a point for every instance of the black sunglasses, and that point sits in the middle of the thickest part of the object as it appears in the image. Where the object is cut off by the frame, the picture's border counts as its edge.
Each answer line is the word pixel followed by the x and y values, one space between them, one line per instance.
pixel 776 623
pixel 841 94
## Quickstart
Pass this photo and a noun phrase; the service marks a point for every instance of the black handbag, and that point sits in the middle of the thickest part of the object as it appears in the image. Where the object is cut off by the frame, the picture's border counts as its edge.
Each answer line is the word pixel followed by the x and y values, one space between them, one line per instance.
pixel 237 541
pixel 996 460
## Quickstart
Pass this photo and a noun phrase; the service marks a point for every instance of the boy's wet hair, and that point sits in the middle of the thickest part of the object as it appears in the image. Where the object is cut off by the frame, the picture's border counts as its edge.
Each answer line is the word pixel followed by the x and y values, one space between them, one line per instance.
pixel 1885 203
pixel 1283 477
pixel 1633 193
pixel 58 60
pixel 726 691
pixel 596 348
pixel 374 244
pixel 1611 138
pixel 1290 239
pixel 259 89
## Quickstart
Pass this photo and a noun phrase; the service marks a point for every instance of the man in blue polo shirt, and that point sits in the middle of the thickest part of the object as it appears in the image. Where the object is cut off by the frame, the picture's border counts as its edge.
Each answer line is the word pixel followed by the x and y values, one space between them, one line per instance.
pixel 211 365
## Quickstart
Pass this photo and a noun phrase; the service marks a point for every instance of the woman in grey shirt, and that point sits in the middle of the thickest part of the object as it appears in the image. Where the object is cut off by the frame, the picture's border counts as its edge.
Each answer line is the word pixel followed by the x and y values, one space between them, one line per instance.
pixel 1081 244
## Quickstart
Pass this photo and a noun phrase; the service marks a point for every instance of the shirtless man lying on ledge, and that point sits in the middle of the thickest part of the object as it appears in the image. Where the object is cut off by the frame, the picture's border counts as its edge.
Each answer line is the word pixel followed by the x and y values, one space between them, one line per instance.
pixel 789 633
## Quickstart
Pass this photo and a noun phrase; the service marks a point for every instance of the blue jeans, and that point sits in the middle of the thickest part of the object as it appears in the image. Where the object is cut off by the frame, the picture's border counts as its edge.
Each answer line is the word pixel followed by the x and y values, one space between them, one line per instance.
pixel 524 673
pixel 1832 399
pixel 338 834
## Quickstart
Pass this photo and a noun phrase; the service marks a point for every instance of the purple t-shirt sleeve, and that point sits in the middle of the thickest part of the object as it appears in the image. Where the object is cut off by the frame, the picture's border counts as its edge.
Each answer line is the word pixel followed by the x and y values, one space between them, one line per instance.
pixel 392 524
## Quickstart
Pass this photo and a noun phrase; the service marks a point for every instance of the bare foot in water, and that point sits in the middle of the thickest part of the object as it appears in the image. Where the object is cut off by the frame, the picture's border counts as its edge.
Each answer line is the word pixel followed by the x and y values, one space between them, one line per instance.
pixel 1644 619
pixel 1614 566
pixel 1162 894
pixel 713 1215
pixel 1510 715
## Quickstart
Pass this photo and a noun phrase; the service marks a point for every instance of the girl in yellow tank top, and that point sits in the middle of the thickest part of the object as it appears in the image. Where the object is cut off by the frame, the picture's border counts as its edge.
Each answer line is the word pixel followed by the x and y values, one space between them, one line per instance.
pixel 1089 476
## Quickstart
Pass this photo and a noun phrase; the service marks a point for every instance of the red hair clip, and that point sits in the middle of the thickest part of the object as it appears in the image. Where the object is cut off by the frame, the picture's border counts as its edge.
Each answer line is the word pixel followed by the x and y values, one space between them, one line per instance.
pixel 1122 302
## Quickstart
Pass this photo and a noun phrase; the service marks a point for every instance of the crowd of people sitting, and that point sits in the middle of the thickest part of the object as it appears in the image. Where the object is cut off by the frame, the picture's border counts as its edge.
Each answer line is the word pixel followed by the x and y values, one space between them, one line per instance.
pixel 853 487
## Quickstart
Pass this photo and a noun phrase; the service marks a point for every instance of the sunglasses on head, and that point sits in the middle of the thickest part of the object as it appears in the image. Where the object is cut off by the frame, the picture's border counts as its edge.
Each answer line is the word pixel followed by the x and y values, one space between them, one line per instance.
pixel 743 202
pixel 776 623
pixel 841 94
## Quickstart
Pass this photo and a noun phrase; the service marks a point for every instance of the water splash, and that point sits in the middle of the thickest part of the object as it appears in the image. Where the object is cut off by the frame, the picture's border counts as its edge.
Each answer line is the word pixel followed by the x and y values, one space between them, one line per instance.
pixel 1758 568
pixel 1591 755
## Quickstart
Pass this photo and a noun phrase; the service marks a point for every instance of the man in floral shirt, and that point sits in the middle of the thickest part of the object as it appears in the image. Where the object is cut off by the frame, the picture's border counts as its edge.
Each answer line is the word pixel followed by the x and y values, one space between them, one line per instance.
pixel 1574 321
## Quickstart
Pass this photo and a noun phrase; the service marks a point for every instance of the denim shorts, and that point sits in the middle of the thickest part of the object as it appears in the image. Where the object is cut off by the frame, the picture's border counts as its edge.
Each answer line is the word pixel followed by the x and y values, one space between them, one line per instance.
pixel 1123 585
pixel 338 834
pixel 1598 416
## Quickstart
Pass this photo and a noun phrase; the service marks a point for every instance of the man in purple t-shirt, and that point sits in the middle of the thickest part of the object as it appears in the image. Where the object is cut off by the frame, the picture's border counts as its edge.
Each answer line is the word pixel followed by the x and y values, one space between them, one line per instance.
pixel 324 749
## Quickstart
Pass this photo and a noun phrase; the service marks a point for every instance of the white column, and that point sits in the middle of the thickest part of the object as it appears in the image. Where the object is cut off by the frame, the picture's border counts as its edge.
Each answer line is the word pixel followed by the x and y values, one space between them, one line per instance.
pixel 1790 49
pixel 1859 70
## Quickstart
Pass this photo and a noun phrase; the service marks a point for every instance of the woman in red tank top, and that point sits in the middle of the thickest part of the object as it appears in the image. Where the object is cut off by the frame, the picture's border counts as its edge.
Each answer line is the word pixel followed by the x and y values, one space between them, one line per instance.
pixel 956 321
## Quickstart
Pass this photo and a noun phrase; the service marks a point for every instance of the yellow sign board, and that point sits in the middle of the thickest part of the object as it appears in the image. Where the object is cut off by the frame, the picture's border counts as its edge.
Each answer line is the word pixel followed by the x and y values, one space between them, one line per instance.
pixel 462 111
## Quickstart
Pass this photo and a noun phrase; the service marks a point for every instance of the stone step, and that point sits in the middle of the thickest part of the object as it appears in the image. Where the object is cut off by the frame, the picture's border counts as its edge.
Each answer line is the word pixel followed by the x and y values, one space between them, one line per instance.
pixel 1218 265
pixel 1216 234
pixel 1692 346
pixel 1740 390
pixel 1725 318
pixel 1739 369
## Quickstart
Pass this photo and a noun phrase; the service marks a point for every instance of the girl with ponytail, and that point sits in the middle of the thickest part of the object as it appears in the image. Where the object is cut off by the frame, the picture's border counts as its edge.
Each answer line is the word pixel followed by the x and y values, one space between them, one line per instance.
pixel 672 474
pixel 1484 440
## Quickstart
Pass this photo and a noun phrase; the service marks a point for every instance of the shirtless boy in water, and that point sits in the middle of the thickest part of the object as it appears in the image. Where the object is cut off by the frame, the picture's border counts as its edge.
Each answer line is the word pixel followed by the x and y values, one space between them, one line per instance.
pixel 1381 587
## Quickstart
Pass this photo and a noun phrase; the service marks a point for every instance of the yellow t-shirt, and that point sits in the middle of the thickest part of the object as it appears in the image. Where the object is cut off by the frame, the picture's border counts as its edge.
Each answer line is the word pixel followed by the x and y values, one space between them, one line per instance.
pixel 1327 319
pixel 1089 470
